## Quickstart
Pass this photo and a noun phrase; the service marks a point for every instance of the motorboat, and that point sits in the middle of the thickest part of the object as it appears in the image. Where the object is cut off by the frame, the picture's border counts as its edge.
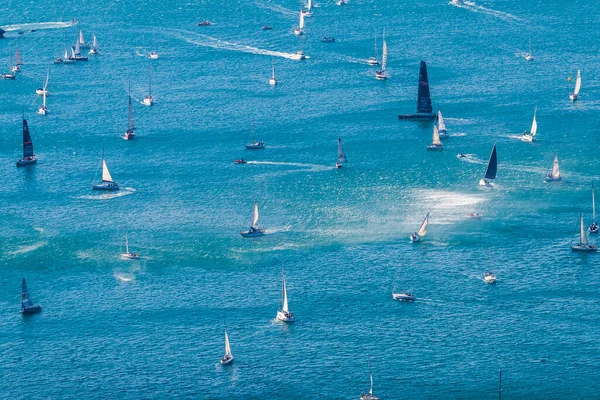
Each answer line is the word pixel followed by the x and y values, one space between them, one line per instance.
pixel 27 306
pixel 204 23
pixel 489 278
pixel 240 161
pixel 403 296
pixel 299 56
pixel 28 156
pixel 474 215
pixel 583 245
pixel 341 2
pixel 254 230
pixel 327 39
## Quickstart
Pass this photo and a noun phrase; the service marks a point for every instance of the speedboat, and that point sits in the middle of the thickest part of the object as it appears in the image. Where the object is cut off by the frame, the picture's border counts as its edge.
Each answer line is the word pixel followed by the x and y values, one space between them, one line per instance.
pixel 204 23
pixel 474 215
pixel 435 146
pixel 9 76
pixel 456 2
pixel 267 28
pixel 326 39
pixel 405 296
pixel 489 278
pixel 461 155
pixel 153 55
pixel 240 161
pixel 372 61
pixel 299 55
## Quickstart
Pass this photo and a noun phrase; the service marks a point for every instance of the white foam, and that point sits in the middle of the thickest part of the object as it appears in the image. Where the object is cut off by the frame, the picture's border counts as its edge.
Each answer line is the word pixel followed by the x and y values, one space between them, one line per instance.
pixel 123 277
pixel 472 6
pixel 27 249
pixel 37 25
pixel 109 195
pixel 311 167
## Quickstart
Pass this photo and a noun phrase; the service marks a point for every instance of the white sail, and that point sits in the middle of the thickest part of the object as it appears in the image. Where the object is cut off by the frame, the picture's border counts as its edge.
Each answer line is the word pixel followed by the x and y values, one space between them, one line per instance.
pixel 284 301
pixel 384 56
pixel 94 42
pixel 555 169
pixel 309 5
pixel 301 25
pixel 44 97
pixel 18 59
pixel 534 124
pixel 423 229
pixel 441 123
pixel 273 69
pixel 436 136
pixel 227 347
pixel 81 39
pixel 77 48
pixel 371 390
pixel 105 174
pixel 577 83
pixel 255 216
pixel 341 155
pixel 47 78
pixel 582 237
pixel 126 244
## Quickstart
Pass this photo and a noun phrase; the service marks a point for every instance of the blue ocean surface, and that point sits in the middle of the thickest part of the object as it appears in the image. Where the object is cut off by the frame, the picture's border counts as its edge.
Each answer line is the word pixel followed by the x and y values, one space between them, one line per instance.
pixel 154 328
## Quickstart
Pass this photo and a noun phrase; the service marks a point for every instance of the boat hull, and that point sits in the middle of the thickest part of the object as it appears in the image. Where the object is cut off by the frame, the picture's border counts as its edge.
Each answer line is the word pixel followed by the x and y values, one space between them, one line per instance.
pixel 444 135
pixel 24 162
pixel 527 138
pixel 130 256
pixel 283 317
pixel 31 310
pixel 414 238
pixel 433 147
pixel 416 116
pixel 584 249
pixel 255 147
pixel 573 97
pixel 403 296
pixel 273 82
pixel 485 183
pixel 552 179
pixel 114 186
pixel 250 234
pixel 226 361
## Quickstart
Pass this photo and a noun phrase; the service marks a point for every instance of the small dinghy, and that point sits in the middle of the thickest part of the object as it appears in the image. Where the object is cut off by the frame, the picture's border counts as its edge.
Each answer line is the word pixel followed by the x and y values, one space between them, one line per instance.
pixel 416 236
pixel 27 306
pixel 436 144
pixel 489 278
pixel 341 155
pixel 254 230
pixel 284 315
pixel 369 396
pixel 443 132
pixel 129 255
pixel 594 228
pixel 554 175
pixel 490 172
pixel 254 145
pixel 382 73
pixel 530 136
pixel 583 245
pixel 28 156
pixel 130 132
pixel 107 182
pixel 228 357
pixel 575 93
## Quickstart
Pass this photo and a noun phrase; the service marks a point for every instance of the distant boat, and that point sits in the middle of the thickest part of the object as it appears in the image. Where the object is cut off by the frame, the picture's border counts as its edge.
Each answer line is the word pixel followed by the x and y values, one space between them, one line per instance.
pixel 154 53
pixel 284 315
pixel 254 145
pixel 500 386
pixel 369 396
pixel 298 30
pixel 530 136
pixel 443 132
pixel 382 73
pixel 94 48
pixel 436 144
pixel 424 109
pixel 43 110
pixel 272 81
pixel 327 39
pixel 18 61
pixel 309 5
pixel 76 53
pixel 205 23
pixel 228 357
pixel 10 75
pixel 489 278
pixel 254 230
pixel 341 2
pixel 554 175
pixel 416 236
pixel 66 59
pixel 529 56
pixel 267 28
pixel 148 100
pixel 240 161
pixel 130 132
pixel 107 182
pixel 373 60
pixel 403 296
pixel 457 2
pixel 81 41
pixel 28 156
pixel 490 171
pixel 583 245
pixel 129 255
pixel 575 93
pixel 44 89
pixel 341 155
pixel 27 306
pixel 594 228
pixel 299 56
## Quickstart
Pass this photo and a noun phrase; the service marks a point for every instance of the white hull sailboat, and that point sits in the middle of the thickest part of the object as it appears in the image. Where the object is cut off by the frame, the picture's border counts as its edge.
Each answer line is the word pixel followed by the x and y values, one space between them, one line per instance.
pixel 583 245
pixel 107 182
pixel 228 357
pixel 489 278
pixel 436 143
pixel 130 132
pixel 554 175
pixel 373 60
pixel 129 255
pixel 254 230
pixel 369 396
pixel 575 93
pixel 272 81
pixel 443 132
pixel 149 100
pixel 94 48
pixel 284 315
pixel 594 228
pixel 490 172
pixel 416 236
pixel 254 145
pixel 530 136
pixel 299 29
pixel 529 56
pixel 341 155
pixel 382 73
pixel 43 110
pixel 154 54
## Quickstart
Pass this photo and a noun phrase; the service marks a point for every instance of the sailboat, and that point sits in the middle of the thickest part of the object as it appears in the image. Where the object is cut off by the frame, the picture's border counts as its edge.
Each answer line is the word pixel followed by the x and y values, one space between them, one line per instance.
pixel 254 145
pixel 94 48
pixel 443 132
pixel 148 100
pixel 284 315
pixel 403 296
pixel 27 306
pixel 43 110
pixel 128 255
pixel 583 245
pixel 254 230
pixel 306 12
pixel 373 60
pixel 490 171
pixel 154 53
pixel 107 182
pixel 28 156
pixel 18 61
pixel 424 109
pixel 81 41
pixel 436 144
pixel 500 386
pixel 341 2
pixel 298 30
pixel 529 56
pixel 575 93
pixel 10 75
pixel 272 81
pixel 530 136
pixel 341 155
pixel 44 89
pixel 130 132
pixel 228 357
pixel 76 53
pixel 382 73
pixel 554 175
pixel 416 236
pixel 594 228
pixel 369 396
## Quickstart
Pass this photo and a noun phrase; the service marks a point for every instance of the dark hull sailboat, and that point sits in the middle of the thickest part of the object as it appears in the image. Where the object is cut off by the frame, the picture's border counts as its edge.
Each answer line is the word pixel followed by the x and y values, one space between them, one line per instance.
pixel 27 306
pixel 424 109
pixel 28 156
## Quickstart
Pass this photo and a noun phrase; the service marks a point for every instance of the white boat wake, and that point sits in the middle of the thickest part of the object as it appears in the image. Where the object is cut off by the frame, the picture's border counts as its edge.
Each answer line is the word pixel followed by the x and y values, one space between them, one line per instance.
pixel 276 8
pixel 123 277
pixel 472 6
pixel 36 26
pixel 312 167
pixel 27 249
pixel 472 159
pixel 208 41
pixel 108 196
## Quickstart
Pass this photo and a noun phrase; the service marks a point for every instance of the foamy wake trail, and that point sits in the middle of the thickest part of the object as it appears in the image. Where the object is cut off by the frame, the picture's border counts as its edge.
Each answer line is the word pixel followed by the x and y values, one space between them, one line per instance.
pixel 27 249
pixel 108 196
pixel 446 207
pixel 286 228
pixel 472 6
pixel 472 159
pixel 276 8
pixel 312 167
pixel 208 41
pixel 123 277
pixel 37 25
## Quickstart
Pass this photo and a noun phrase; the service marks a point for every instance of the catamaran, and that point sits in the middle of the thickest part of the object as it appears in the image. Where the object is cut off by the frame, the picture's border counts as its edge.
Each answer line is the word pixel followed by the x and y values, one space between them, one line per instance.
pixel 373 60
pixel 341 155
pixel 594 228
pixel 529 56
pixel 254 230
pixel 369 396
pixel 530 136
pixel 94 48
pixel 443 132
pixel 424 109
pixel 129 255
pixel 284 315
pixel 583 245
pixel 416 236
pixel 254 145
pixel 28 156
pixel 130 132
pixel 490 172
pixel 382 73
pixel 27 306
pixel 154 53
pixel 436 144
pixel 148 100
pixel 272 81
pixel 107 182
pixel 228 357
pixel 575 93
pixel 554 175
pixel 298 30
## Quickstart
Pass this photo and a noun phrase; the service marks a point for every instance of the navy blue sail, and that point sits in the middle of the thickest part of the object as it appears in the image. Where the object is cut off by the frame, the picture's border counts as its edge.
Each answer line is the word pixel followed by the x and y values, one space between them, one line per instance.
pixel 27 144
pixel 492 168
pixel 424 97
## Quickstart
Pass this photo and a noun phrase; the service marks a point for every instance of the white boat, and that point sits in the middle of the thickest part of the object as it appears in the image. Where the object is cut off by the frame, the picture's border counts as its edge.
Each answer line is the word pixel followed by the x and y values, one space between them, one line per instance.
pixel 107 182
pixel 299 56
pixel 254 230
pixel 436 143
pixel 81 41
pixel 382 73
pixel 94 48
pixel 530 136
pixel 373 60
pixel 575 93
pixel 490 172
pixel 43 110
pixel 403 296
pixel 594 228
pixel 154 53
pixel 583 245
pixel 299 29
pixel 341 2
pixel 284 315
pixel 529 56
pixel 443 132
pixel 228 357
pixel 254 145
pixel 309 5
pixel 341 155
pixel 416 236
pixel 457 2
pixel 272 81
pixel 130 132
pixel 149 100
pixel 554 175
pixel 369 396
pixel 129 255
pixel 489 278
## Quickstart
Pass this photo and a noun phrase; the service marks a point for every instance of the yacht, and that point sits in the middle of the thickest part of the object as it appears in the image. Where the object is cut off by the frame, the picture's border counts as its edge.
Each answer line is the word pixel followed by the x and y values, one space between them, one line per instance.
pixel 575 93
pixel 489 278
pixel 254 230
pixel 129 255
pixel 403 296
pixel 107 182
pixel 284 315
pixel 27 306
pixel 554 175
pixel 583 245
pixel 530 136
pixel 254 145
pixel 28 156
pixel 228 357
pixel 436 143
pixel 491 170
pixel 416 236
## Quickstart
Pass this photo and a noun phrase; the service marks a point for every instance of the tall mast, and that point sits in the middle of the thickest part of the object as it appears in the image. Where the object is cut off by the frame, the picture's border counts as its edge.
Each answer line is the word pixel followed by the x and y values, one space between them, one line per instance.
pixel 500 386
pixel 593 205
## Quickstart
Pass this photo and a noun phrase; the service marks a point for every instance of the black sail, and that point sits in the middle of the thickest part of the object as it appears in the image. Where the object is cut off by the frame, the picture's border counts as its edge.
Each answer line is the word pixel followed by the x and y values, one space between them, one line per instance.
pixel 492 168
pixel 27 145
pixel 424 98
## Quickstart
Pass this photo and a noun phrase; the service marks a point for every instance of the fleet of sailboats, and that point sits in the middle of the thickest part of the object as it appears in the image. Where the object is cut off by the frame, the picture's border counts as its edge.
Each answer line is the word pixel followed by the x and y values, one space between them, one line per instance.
pixel 28 156
pixel 583 245
pixel 27 306
pixel 416 236
pixel 107 182
pixel 554 174
pixel 575 93
pixel 284 315
pixel 382 73
pixel 530 136
pixel 490 171
pixel 254 230
pixel 341 155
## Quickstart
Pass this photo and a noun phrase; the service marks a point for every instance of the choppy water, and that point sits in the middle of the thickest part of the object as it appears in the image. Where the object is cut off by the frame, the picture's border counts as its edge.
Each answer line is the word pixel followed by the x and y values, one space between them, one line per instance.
pixel 154 329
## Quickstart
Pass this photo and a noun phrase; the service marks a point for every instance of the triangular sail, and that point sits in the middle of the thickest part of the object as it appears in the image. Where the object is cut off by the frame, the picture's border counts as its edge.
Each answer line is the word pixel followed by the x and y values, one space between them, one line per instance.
pixel 424 97
pixel 227 347
pixel 301 25
pixel 309 5
pixel 105 173
pixel 18 59
pixel 44 98
pixel 272 69
pixel 284 300
pixel 27 144
pixel 25 299
pixel 492 167
pixel 341 155
pixel 436 136
pixel 577 82
pixel 423 229
pixel 555 169
pixel 582 237
pixel 441 123
pixel 81 39
pixel 130 126
pixel 126 243
pixel 77 48
pixel 534 124
pixel 94 42
pixel 384 56
pixel 371 389
pixel 255 216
